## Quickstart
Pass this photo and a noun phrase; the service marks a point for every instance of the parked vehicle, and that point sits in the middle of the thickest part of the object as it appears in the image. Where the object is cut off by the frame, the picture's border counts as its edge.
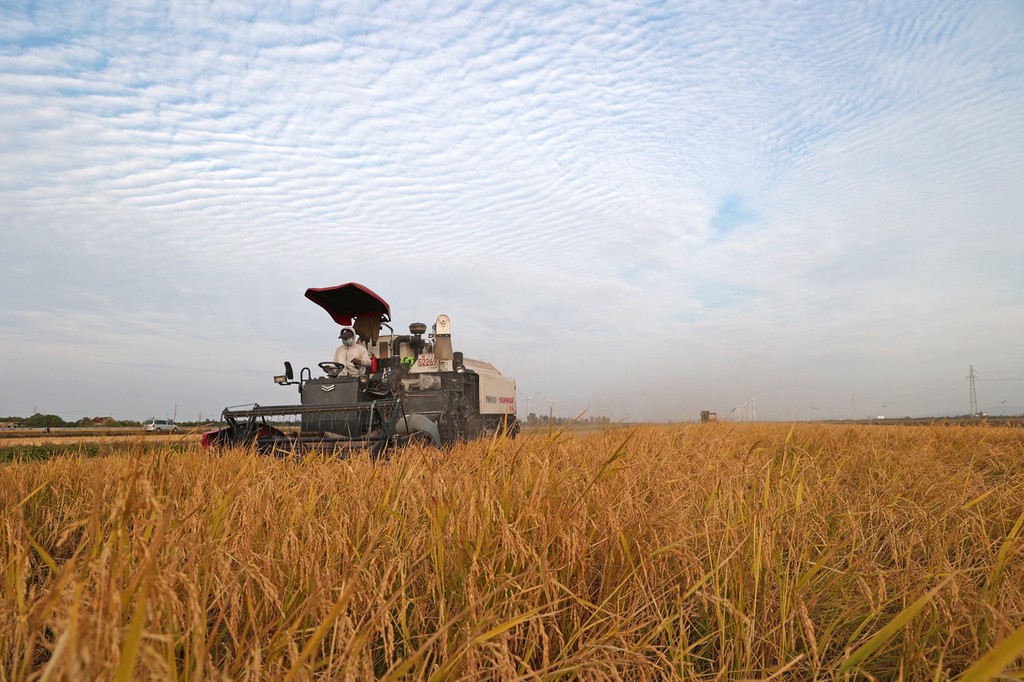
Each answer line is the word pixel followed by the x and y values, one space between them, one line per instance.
pixel 160 425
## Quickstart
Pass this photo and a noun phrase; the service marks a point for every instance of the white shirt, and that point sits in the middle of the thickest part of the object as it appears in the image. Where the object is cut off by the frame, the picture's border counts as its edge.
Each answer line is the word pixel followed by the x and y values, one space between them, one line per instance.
pixel 346 354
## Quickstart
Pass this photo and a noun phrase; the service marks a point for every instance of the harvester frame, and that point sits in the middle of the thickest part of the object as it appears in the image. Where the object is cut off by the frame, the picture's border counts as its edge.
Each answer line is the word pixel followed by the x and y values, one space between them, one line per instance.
pixel 416 390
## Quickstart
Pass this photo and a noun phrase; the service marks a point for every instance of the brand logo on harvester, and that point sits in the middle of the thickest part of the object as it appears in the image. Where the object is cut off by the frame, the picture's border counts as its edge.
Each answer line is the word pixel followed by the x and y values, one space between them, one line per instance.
pixel 494 400
pixel 327 388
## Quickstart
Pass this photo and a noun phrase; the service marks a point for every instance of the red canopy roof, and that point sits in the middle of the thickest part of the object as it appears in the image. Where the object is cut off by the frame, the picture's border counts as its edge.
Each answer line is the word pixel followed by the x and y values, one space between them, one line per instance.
pixel 346 301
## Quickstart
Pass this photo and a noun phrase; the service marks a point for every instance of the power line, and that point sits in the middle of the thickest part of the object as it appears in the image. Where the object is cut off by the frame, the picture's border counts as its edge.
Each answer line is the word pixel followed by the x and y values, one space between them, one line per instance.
pixel 930 392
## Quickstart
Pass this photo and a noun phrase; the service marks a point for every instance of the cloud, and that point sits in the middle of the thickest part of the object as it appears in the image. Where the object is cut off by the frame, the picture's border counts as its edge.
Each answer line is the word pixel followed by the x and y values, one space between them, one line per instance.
pixel 782 190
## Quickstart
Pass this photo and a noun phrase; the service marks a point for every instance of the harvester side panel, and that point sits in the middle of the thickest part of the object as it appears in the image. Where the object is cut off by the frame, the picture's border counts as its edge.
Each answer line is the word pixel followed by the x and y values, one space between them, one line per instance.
pixel 336 391
pixel 497 394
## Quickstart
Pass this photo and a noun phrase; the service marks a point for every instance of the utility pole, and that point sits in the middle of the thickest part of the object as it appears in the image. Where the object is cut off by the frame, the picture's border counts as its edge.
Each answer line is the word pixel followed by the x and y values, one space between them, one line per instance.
pixel 974 395
pixel 853 407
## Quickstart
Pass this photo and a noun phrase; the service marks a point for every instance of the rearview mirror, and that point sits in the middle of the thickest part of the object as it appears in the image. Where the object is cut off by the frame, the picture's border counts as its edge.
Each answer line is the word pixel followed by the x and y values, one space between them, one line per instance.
pixel 286 378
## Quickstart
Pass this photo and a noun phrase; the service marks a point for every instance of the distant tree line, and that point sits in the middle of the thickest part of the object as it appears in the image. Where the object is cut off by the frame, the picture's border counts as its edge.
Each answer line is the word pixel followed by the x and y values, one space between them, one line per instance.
pixel 533 419
pixel 53 421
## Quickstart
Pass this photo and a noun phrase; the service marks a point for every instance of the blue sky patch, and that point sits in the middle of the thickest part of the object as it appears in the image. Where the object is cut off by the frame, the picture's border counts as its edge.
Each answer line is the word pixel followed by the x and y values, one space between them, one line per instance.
pixel 718 295
pixel 733 212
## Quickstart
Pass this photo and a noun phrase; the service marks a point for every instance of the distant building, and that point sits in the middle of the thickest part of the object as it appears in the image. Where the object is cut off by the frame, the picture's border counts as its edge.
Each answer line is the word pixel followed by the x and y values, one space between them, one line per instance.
pixel 100 421
pixel 12 425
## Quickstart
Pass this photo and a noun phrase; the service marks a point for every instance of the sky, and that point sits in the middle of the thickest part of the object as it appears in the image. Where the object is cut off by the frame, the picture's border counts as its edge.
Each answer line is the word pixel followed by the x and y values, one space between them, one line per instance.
pixel 640 210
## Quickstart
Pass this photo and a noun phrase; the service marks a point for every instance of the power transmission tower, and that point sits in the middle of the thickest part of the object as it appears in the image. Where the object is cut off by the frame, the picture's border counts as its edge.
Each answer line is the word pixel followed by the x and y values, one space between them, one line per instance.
pixel 974 395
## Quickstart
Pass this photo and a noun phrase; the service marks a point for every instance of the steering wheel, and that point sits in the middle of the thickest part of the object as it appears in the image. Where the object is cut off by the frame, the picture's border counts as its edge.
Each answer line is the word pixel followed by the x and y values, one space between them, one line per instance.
pixel 331 369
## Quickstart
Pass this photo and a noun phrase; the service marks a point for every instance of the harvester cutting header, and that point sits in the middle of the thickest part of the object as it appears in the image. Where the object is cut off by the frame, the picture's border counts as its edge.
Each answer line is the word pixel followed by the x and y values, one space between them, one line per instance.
pixel 405 388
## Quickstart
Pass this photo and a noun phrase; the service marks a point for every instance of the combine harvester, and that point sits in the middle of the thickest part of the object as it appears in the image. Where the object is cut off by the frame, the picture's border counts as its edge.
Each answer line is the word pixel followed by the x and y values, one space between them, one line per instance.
pixel 417 390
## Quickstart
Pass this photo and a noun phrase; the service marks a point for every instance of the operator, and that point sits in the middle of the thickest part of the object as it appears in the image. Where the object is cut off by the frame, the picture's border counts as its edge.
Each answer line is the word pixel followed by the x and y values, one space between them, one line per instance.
pixel 353 357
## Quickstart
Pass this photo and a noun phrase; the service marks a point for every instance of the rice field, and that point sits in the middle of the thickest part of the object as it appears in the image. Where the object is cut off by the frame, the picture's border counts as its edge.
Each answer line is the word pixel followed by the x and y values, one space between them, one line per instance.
pixel 689 552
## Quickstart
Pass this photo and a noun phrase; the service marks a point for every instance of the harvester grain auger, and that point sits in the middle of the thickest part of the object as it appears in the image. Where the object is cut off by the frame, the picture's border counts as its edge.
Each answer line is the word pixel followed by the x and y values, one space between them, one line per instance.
pixel 416 390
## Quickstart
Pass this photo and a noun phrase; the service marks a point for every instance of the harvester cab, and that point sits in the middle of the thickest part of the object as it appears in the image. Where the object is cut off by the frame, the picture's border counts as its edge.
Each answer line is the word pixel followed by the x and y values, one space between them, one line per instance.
pixel 417 388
